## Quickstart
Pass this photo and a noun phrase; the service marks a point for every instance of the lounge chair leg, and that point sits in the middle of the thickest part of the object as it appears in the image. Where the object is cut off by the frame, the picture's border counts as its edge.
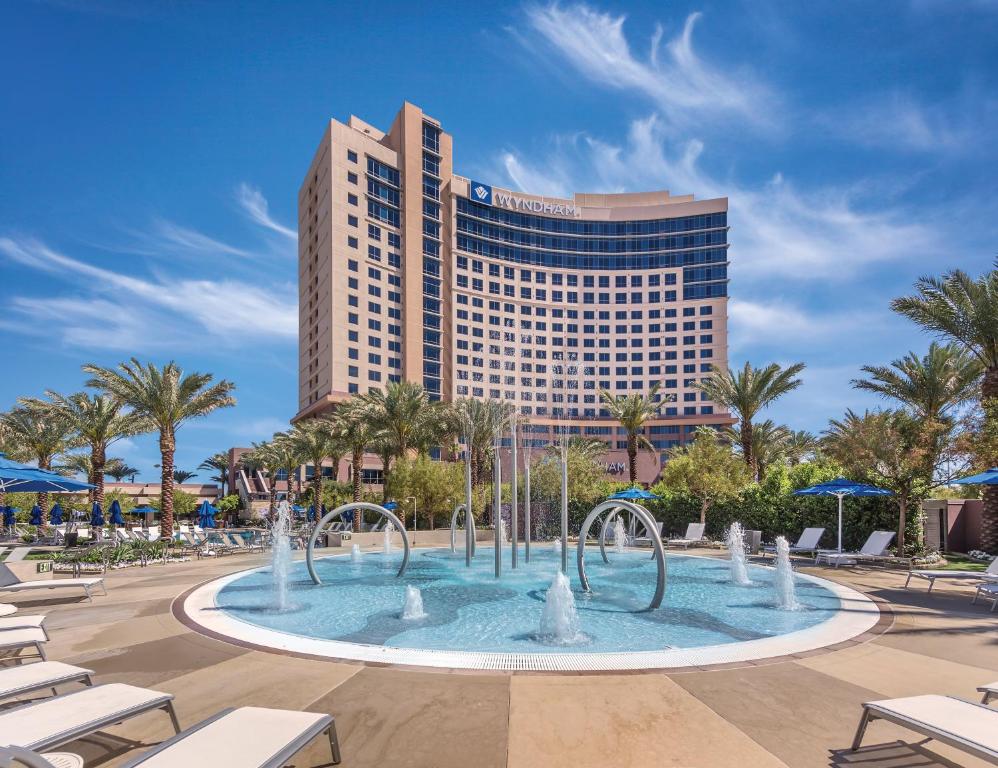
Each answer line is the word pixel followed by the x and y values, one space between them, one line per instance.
pixel 86 591
pixel 861 730
pixel 41 651
pixel 908 580
pixel 932 583
pixel 334 744
pixel 173 716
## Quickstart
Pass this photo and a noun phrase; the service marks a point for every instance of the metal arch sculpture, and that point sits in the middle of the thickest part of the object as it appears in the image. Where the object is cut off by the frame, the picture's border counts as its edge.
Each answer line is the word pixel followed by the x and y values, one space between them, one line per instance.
pixel 606 525
pixel 649 522
pixel 468 519
pixel 338 512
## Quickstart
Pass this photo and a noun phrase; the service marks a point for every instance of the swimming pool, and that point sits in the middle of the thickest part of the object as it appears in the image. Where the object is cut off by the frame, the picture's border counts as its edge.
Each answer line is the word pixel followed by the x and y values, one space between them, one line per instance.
pixel 473 619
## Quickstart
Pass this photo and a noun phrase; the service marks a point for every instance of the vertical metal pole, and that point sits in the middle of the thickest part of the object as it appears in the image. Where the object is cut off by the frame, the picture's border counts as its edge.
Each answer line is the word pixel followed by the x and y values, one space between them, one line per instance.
pixel 514 522
pixel 497 506
pixel 564 506
pixel 468 535
pixel 839 495
pixel 526 502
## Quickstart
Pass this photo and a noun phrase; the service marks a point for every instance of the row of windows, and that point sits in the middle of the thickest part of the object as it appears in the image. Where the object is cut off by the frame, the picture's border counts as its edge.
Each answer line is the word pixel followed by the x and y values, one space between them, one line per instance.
pixel 569 413
pixel 589 227
pixel 528 310
pixel 570 279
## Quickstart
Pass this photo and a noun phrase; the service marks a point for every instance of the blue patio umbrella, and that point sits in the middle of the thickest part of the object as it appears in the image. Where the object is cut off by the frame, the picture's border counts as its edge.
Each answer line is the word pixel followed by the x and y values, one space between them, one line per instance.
pixel 634 493
pixel 297 508
pixel 25 479
pixel 988 477
pixel 55 514
pixel 206 515
pixel 310 513
pixel 391 506
pixel 840 488
pixel 9 517
pixel 36 515
pixel 115 511
pixel 96 516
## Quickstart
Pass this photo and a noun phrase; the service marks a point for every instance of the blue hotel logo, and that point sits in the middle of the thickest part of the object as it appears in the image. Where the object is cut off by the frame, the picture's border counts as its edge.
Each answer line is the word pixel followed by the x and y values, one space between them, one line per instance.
pixel 481 193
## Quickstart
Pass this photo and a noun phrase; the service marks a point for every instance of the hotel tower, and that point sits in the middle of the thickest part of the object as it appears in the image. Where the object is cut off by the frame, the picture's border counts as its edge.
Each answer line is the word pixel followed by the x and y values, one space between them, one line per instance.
pixel 407 270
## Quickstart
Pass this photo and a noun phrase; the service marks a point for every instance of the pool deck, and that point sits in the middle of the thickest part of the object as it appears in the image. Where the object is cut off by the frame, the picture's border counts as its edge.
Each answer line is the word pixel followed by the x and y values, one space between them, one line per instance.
pixel 799 711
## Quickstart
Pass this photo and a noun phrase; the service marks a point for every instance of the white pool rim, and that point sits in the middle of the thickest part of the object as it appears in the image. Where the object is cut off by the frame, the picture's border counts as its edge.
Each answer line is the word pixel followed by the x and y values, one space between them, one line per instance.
pixel 857 614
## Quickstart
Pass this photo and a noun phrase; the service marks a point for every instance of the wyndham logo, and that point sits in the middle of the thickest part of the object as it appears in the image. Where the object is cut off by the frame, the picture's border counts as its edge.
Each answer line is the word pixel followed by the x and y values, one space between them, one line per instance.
pixel 481 193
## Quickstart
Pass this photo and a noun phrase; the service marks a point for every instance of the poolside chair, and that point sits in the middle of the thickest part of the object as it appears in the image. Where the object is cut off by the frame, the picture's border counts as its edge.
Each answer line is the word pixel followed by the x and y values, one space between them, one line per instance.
pixel 247 737
pixel 807 542
pixel 7 609
pixel 989 591
pixel 991 574
pixel 641 541
pixel 990 691
pixel 64 718
pixel 958 723
pixel 873 549
pixel 16 643
pixel 10 583
pixel 28 678
pixel 694 535
pixel 23 622
pixel 239 544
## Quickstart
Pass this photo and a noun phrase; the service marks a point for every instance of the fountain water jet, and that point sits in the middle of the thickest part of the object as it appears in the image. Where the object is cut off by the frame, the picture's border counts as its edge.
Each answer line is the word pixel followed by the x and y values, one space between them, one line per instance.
pixel 786 592
pixel 413 608
pixel 736 548
pixel 557 548
pixel 386 538
pixel 619 536
pixel 560 620
pixel 280 554
pixel 355 553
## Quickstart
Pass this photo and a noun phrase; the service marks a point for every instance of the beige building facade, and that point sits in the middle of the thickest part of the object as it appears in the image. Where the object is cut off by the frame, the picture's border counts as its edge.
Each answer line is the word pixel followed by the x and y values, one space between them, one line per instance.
pixel 409 271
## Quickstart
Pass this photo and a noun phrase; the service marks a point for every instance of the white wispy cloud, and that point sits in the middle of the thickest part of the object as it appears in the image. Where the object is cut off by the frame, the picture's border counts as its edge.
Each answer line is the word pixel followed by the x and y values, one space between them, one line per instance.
pixel 255 205
pixel 777 228
pixel 682 84
pixel 122 311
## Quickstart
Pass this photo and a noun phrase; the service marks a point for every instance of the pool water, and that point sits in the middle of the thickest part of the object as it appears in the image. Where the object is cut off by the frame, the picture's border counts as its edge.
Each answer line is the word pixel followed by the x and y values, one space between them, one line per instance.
pixel 470 610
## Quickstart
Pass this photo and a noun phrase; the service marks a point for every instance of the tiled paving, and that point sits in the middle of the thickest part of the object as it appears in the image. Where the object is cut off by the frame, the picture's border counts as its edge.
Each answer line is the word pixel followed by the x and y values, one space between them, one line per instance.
pixel 794 712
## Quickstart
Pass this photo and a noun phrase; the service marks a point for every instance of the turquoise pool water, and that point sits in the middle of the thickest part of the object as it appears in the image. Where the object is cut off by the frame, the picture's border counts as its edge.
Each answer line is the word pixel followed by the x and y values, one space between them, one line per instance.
pixel 470 610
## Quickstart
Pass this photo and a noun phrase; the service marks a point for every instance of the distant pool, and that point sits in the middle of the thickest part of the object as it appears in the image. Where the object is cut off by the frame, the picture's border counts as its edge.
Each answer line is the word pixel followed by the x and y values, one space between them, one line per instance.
pixel 472 616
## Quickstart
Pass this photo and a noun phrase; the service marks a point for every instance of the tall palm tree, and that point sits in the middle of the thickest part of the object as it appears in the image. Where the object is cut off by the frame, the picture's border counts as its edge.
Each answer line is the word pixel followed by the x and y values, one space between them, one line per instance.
pixel 82 464
pixel 266 458
pixel 181 476
pixel 964 311
pixel 166 398
pixel 478 422
pixel 313 440
pixel 288 459
pixel 749 391
pixel 119 470
pixel 38 435
pixel 353 429
pixel 801 445
pixel 769 445
pixel 933 385
pixel 631 412
pixel 219 462
pixel 97 421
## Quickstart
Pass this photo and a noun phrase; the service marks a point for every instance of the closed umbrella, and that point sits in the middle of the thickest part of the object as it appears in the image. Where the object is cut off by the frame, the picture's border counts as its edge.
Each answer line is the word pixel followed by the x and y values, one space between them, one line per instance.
pixel 36 515
pixel 96 516
pixel 840 488
pixel 206 515
pixel 115 512
pixel 9 517
pixel 55 514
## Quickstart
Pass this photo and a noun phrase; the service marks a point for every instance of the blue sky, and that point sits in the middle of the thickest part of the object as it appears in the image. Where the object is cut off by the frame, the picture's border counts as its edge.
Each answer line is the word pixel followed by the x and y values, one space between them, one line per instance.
pixel 150 156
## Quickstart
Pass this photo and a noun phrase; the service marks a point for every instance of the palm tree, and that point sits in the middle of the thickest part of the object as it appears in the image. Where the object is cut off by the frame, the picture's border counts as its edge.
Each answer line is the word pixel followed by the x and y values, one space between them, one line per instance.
pixel 97 421
pixel 287 458
pixel 166 398
pixel 478 422
pixel 801 445
pixel 119 470
pixel 39 435
pixel 181 476
pixel 749 391
pixel 769 445
pixel 632 412
pixel 220 463
pixel 266 458
pixel 353 429
pixel 82 464
pixel 933 385
pixel 964 311
pixel 313 440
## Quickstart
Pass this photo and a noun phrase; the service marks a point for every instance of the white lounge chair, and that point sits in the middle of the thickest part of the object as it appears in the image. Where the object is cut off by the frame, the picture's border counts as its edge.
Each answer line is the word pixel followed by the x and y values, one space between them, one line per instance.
pixel 990 691
pixel 930 576
pixel 35 621
pixel 958 723
pixel 989 591
pixel 641 541
pixel 61 719
pixel 875 546
pixel 807 542
pixel 6 609
pixel 28 678
pixel 694 535
pixel 14 643
pixel 10 583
